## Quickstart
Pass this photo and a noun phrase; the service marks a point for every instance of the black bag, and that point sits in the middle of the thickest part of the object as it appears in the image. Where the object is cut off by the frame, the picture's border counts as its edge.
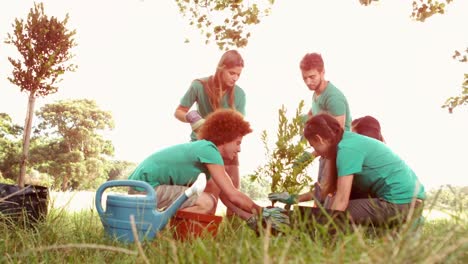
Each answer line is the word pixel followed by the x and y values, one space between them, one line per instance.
pixel 27 205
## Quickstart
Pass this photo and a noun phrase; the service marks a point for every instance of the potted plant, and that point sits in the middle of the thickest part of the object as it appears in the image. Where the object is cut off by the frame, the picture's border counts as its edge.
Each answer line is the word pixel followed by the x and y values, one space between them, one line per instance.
pixel 44 45
pixel 286 162
pixel 24 206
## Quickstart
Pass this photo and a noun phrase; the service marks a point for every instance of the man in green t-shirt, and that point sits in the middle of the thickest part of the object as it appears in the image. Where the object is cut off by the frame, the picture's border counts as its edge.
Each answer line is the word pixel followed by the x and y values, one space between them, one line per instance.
pixel 326 98
pixel 172 170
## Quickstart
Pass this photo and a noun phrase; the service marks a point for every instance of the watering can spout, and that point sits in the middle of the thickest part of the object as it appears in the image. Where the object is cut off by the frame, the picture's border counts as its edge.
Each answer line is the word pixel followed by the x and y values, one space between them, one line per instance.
pixel 197 188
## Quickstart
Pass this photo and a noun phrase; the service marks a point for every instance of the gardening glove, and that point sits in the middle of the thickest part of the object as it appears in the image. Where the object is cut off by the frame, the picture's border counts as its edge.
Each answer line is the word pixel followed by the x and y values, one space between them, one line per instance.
pixel 195 119
pixel 283 197
pixel 275 215
pixel 252 223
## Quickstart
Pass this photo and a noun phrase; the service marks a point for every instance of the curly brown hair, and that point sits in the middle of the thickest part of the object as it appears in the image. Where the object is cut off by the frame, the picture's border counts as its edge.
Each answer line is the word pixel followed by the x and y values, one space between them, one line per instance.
pixel 223 126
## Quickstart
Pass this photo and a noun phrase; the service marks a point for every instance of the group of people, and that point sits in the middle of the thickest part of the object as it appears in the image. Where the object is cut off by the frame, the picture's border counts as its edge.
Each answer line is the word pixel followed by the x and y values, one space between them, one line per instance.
pixel 358 173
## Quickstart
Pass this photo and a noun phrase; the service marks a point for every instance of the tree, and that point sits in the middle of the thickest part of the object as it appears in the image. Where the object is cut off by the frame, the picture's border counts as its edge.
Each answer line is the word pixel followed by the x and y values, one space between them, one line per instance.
pixel 424 9
pixel 461 99
pixel 228 22
pixel 44 44
pixel 231 25
pixel 234 19
pixel 10 146
pixel 74 150
pixel 120 169
pixel 286 164
pixel 7 128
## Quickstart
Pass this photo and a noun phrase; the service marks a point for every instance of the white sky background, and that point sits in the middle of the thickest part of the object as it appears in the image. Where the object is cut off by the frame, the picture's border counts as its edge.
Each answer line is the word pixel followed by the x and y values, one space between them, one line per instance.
pixel 133 61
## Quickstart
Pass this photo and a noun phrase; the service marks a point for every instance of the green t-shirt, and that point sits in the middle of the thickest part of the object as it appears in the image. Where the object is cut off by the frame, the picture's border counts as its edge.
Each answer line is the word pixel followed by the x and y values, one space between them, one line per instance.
pixel 333 102
pixel 377 169
pixel 196 94
pixel 178 165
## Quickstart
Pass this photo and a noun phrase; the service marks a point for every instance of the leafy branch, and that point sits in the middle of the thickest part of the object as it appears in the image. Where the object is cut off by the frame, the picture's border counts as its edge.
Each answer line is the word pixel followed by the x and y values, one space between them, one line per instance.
pixel 285 168
pixel 461 99
pixel 226 22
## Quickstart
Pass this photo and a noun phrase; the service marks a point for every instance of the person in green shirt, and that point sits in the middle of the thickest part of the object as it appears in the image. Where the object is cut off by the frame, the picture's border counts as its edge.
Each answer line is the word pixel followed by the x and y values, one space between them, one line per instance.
pixel 367 126
pixel 369 166
pixel 172 170
pixel 214 92
pixel 326 98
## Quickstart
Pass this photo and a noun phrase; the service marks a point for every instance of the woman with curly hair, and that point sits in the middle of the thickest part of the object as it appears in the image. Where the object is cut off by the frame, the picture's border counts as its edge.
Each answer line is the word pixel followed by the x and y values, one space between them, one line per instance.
pixel 172 170
pixel 218 91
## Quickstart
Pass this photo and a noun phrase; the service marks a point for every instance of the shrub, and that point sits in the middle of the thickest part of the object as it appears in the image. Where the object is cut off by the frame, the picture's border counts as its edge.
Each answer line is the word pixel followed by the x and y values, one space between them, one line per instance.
pixel 285 166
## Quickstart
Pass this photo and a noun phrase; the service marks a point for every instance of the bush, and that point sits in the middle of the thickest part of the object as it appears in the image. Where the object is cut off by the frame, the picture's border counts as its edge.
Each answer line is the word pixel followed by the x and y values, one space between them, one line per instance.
pixel 256 190
pixel 285 168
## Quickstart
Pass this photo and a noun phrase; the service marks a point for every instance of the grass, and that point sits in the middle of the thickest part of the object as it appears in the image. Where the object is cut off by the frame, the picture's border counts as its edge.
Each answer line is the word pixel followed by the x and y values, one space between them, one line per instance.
pixel 79 238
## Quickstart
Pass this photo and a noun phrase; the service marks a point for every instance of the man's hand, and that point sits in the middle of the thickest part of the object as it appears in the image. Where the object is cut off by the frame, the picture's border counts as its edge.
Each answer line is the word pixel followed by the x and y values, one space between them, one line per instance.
pixel 283 197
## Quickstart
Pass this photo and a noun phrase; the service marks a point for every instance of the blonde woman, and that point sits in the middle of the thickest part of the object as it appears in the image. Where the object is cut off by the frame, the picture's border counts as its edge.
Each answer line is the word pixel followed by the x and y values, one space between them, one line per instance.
pixel 211 93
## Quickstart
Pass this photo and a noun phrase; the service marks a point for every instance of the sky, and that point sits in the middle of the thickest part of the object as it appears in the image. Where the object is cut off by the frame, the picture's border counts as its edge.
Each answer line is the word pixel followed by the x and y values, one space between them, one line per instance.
pixel 133 61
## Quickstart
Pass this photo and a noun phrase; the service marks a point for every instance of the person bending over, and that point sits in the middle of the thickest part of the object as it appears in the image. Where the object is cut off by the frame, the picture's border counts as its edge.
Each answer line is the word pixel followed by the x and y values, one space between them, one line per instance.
pixel 173 169
pixel 367 126
pixel 367 165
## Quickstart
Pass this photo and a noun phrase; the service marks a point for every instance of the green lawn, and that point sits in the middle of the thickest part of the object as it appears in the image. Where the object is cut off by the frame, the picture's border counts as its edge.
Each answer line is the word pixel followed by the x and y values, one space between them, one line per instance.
pixel 80 238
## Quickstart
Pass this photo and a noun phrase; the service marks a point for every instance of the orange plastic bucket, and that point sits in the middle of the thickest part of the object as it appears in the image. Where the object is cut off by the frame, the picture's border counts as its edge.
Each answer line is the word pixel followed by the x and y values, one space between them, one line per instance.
pixel 188 224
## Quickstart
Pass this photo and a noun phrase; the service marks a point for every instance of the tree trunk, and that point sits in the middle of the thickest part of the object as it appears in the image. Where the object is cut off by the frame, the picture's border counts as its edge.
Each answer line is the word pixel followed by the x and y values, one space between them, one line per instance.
pixel 64 183
pixel 26 138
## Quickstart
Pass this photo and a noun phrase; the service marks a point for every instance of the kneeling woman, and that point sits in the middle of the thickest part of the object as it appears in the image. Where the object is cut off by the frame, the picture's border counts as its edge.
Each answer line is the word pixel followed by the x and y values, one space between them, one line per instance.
pixel 171 170
pixel 369 166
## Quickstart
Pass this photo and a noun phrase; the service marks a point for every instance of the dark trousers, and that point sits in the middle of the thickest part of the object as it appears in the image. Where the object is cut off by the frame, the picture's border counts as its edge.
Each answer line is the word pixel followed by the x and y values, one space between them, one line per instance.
pixel 317 190
pixel 365 212
pixel 378 212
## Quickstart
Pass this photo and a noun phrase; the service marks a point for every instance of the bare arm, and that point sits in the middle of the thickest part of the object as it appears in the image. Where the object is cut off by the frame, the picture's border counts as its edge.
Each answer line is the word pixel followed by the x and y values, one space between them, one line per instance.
pixel 343 190
pixel 341 119
pixel 241 213
pixel 231 194
pixel 180 113
pixel 305 197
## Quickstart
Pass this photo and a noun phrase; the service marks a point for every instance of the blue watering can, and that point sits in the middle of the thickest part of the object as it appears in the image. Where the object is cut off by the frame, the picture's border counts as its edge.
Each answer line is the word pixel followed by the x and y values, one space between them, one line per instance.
pixel 148 219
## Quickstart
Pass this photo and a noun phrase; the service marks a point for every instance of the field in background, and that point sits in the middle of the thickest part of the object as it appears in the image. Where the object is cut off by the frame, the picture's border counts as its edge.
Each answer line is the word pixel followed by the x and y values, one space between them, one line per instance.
pixel 85 200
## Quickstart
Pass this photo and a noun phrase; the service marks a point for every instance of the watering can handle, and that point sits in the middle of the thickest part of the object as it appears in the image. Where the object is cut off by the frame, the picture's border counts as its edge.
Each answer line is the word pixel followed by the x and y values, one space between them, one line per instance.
pixel 131 183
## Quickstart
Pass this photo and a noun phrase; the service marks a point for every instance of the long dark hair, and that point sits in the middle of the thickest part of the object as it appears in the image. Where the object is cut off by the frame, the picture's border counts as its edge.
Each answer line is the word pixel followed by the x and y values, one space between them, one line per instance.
pixel 214 86
pixel 328 128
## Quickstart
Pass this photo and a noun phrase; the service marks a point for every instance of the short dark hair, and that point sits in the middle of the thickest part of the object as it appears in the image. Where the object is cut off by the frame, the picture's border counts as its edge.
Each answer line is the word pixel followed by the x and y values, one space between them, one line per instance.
pixel 368 126
pixel 312 61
